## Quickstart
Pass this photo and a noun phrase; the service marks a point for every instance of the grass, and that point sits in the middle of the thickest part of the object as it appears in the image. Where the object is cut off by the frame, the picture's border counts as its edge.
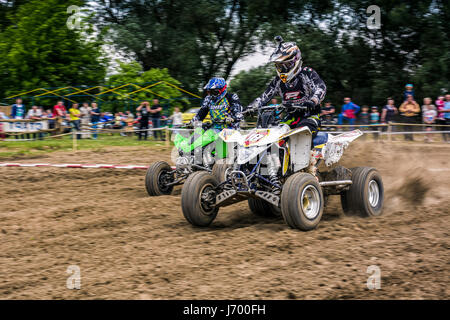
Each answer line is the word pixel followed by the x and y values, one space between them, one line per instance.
pixel 28 149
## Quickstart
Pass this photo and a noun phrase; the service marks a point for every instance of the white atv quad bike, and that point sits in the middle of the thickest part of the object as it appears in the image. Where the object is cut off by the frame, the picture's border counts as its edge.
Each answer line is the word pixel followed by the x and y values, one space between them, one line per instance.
pixel 276 170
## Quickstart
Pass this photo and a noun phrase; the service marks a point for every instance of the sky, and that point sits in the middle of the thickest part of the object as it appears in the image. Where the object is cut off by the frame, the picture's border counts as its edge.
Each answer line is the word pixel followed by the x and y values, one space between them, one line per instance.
pixel 254 60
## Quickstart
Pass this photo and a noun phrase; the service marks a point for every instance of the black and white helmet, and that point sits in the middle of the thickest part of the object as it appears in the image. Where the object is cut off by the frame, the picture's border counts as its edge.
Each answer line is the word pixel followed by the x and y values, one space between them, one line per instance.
pixel 287 59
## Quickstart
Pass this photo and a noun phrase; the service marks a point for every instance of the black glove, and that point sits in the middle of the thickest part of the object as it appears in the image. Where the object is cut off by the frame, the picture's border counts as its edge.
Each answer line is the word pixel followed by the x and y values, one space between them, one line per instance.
pixel 310 105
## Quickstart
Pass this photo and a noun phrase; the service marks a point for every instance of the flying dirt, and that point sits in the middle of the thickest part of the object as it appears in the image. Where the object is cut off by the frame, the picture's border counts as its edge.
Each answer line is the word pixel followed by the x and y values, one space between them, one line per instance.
pixel 128 245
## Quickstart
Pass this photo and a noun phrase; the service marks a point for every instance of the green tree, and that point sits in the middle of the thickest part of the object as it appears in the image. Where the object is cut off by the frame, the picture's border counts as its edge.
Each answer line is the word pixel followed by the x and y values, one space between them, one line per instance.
pixel 250 84
pixel 7 10
pixel 369 65
pixel 38 50
pixel 198 39
pixel 412 45
pixel 130 95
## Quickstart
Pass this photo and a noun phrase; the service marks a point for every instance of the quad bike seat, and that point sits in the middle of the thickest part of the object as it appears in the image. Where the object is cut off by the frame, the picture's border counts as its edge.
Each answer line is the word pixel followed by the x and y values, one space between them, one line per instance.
pixel 321 138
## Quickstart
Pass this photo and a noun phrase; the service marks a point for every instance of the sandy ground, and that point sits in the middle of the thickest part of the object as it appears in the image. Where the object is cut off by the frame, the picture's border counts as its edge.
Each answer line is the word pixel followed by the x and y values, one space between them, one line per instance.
pixel 130 246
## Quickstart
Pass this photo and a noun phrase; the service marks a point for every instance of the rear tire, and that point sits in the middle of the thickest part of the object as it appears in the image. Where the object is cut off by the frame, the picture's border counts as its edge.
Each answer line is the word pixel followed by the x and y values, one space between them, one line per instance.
pixel 155 179
pixel 195 210
pixel 302 201
pixel 366 194
pixel 263 208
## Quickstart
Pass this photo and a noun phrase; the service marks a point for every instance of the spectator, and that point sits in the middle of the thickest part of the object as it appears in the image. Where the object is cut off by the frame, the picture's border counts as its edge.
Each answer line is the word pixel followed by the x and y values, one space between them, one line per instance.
pixel 177 118
pixel 35 113
pixel 106 117
pixel 388 112
pixel 123 117
pixel 59 110
pixel 144 110
pixel 273 103
pixel 95 118
pixel 408 91
pixel 348 112
pixel 129 124
pixel 440 119
pixel 327 112
pixel 409 111
pixel 75 121
pixel 86 118
pixel 119 122
pixel 48 114
pixel 374 120
pixel 447 116
pixel 429 115
pixel 18 110
pixel 3 116
pixel 364 116
pixel 374 116
pixel 156 117
pixel 129 114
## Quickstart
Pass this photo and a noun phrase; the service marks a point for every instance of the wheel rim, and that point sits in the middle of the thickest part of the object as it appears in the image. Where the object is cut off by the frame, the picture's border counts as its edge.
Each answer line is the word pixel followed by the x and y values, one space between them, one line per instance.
pixel 205 199
pixel 164 178
pixel 374 193
pixel 310 202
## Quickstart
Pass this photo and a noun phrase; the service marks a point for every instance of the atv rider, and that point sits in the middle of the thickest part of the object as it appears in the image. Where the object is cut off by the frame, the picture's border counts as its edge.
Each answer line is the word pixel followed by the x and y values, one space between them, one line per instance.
pixel 297 86
pixel 224 108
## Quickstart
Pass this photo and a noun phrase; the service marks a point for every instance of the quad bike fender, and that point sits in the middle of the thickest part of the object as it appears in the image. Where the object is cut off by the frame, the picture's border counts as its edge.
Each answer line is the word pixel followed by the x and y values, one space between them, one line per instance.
pixel 333 150
pixel 205 138
pixel 198 139
pixel 230 135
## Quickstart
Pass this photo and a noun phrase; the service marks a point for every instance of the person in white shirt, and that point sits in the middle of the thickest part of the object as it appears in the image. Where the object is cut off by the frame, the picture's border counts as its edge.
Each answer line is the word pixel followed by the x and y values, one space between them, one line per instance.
pixel 177 118
pixel 85 118
pixel 429 115
pixel 35 113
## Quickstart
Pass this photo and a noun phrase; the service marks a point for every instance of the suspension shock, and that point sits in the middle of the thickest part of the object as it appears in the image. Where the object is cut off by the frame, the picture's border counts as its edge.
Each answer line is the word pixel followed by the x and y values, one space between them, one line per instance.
pixel 273 165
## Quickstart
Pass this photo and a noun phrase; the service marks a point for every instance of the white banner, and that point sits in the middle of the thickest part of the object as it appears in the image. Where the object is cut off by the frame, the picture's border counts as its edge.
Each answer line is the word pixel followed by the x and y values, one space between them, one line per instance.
pixel 18 126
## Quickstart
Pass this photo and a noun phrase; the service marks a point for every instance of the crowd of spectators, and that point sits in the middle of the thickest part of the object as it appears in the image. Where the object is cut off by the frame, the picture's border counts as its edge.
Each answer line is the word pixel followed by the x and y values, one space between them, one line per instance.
pixel 434 116
pixel 89 115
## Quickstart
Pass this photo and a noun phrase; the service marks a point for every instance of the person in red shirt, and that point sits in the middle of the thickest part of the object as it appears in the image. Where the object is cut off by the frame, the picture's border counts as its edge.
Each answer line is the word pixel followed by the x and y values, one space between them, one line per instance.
pixel 59 110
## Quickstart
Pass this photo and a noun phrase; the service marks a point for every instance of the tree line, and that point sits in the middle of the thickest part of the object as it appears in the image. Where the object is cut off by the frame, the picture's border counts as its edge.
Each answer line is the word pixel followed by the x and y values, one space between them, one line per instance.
pixel 197 39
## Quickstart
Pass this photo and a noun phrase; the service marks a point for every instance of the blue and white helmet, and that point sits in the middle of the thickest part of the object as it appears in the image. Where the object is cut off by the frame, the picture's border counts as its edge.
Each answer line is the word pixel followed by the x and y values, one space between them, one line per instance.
pixel 216 88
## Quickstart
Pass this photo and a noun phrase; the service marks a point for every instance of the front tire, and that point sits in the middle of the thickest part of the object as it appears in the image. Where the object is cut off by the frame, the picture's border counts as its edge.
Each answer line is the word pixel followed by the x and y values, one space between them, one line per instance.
pixel 158 175
pixel 302 201
pixel 195 199
pixel 366 194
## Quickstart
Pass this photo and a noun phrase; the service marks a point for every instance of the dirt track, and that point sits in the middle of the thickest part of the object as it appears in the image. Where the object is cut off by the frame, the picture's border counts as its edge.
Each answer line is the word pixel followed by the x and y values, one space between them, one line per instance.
pixel 131 246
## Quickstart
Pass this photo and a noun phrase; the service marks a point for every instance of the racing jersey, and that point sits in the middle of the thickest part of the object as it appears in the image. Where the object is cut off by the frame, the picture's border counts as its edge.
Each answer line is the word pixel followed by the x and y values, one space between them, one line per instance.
pixel 228 106
pixel 306 86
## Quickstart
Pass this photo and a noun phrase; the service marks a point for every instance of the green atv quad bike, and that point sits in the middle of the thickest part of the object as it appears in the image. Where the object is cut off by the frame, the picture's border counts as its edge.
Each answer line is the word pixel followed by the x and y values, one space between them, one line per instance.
pixel 196 152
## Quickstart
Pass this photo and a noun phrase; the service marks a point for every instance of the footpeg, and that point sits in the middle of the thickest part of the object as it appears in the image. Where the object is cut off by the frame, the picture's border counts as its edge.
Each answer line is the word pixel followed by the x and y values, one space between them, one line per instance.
pixel 225 195
pixel 269 197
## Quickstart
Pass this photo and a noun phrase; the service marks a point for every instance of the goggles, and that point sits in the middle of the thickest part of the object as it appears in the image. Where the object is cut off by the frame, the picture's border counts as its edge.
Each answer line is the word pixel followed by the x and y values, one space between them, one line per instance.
pixel 284 67
pixel 214 92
